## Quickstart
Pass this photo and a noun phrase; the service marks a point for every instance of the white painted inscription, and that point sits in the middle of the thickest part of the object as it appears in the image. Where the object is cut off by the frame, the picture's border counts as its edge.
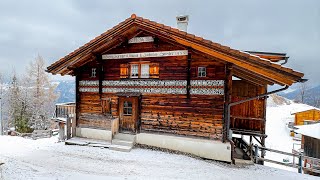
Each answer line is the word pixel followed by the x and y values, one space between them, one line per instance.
pixel 146 54
pixel 141 39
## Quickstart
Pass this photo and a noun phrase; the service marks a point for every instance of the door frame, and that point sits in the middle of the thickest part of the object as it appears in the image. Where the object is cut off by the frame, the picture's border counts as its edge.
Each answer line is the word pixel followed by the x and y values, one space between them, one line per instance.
pixel 135 99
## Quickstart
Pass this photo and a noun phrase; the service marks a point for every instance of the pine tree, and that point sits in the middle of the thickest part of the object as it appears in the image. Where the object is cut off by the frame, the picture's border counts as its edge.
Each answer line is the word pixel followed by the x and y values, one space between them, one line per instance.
pixel 18 107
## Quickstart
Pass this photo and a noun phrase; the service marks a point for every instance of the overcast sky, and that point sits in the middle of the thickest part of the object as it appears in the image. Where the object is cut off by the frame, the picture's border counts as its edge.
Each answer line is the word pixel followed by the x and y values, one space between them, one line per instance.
pixel 53 29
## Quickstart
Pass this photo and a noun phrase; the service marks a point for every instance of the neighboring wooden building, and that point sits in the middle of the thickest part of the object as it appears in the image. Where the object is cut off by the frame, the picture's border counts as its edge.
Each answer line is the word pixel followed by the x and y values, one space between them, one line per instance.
pixel 310 143
pixel 306 116
pixel 169 88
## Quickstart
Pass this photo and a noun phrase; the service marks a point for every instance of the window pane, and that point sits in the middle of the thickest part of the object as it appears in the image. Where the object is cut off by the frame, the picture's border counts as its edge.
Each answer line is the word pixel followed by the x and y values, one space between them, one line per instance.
pixel 134 70
pixel 129 110
pixel 202 72
pixel 93 72
pixel 144 70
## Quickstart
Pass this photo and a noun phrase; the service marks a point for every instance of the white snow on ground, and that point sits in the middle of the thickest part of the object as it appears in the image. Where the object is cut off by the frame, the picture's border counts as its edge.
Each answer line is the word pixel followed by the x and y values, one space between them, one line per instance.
pixel 278 116
pixel 46 159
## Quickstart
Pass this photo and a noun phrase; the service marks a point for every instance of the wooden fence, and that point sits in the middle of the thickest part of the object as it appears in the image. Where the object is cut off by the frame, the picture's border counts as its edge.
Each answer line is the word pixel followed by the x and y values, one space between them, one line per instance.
pixel 300 156
pixel 65 115
pixel 65 110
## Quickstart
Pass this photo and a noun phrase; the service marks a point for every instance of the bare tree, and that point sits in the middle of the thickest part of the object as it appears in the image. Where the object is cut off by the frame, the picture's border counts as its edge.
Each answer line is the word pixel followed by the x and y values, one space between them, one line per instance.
pixel 303 87
pixel 41 94
pixel 316 101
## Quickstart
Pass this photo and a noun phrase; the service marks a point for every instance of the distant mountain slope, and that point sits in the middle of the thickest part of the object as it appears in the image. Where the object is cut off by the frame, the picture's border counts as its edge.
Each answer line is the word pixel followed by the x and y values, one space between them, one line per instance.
pixel 312 96
pixel 66 90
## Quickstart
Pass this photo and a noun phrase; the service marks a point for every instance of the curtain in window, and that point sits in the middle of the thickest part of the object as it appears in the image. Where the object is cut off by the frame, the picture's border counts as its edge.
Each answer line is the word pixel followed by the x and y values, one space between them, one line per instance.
pixel 144 70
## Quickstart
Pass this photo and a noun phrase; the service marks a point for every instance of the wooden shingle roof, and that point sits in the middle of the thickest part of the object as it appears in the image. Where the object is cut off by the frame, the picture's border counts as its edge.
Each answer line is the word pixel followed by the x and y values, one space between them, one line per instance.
pixel 246 65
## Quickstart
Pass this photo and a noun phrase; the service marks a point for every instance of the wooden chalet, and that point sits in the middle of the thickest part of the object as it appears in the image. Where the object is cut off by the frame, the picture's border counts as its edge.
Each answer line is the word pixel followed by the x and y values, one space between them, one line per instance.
pixel 307 116
pixel 170 89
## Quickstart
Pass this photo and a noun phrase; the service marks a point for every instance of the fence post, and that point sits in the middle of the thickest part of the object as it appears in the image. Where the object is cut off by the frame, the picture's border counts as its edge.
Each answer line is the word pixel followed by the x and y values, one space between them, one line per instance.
pixel 73 124
pixel 61 131
pixel 256 154
pixel 68 127
pixel 300 164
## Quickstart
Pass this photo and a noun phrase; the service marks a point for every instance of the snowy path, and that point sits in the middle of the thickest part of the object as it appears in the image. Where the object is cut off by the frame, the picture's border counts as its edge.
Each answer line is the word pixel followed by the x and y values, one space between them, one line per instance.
pixel 46 159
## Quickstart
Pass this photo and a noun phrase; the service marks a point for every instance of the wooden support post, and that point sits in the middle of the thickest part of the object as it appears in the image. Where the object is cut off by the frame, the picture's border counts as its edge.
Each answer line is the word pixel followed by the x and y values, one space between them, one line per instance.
pixel 189 75
pixel 263 152
pixel 68 123
pixel 251 147
pixel 77 98
pixel 227 98
pixel 61 131
pixel 256 153
pixel 300 164
pixel 73 124
pixel 100 72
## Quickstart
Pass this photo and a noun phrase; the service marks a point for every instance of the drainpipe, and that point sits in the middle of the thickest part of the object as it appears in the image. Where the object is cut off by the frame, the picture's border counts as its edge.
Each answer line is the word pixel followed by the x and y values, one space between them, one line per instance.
pixel 229 134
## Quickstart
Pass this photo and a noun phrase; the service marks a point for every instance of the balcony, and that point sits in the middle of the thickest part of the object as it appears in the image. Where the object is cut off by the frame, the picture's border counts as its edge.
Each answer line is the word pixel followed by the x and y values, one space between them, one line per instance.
pixel 64 110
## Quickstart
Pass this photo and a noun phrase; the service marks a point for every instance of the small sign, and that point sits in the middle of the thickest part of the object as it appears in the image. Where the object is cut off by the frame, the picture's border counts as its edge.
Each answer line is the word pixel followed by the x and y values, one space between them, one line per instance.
pixel 141 39
pixel 146 54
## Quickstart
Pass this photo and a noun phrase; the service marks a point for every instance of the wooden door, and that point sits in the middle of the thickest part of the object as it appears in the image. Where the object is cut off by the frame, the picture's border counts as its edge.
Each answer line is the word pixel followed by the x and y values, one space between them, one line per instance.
pixel 128 111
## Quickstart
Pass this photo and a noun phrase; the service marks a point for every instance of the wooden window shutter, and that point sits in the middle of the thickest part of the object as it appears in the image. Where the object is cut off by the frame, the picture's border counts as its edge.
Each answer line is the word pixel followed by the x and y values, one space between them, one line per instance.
pixel 154 70
pixel 124 70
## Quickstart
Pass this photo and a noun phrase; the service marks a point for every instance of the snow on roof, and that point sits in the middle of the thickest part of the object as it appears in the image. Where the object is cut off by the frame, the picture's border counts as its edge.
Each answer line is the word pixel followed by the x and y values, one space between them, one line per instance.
pixel 306 108
pixel 312 130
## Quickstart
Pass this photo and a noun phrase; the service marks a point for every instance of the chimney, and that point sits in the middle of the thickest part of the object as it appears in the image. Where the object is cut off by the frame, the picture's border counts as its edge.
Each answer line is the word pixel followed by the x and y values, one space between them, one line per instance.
pixel 182 22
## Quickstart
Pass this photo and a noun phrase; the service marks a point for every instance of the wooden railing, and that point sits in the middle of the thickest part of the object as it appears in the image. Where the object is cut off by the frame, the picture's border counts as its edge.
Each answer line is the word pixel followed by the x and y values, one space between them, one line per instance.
pixel 300 156
pixel 65 110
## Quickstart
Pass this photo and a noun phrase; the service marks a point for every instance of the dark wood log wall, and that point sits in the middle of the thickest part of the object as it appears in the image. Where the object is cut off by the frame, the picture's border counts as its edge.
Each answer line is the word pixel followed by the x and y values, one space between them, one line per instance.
pixel 199 115
pixel 249 115
pixel 311 146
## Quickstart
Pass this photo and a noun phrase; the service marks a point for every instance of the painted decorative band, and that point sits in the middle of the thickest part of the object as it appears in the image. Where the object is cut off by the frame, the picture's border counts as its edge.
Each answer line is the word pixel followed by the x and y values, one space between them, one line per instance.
pixel 147 90
pixel 145 83
pixel 200 87
pixel 84 89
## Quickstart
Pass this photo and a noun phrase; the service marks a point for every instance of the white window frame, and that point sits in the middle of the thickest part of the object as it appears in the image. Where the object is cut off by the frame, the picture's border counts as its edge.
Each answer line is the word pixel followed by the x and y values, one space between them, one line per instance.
pixel 202 70
pixel 93 72
pixel 146 75
pixel 131 70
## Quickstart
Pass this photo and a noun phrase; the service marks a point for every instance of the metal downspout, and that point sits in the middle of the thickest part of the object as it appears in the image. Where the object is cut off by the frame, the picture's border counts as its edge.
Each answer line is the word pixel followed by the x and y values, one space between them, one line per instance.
pixel 229 135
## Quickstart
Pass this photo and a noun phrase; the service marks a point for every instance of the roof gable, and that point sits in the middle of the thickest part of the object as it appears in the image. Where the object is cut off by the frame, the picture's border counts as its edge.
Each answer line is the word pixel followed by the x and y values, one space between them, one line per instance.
pixel 245 64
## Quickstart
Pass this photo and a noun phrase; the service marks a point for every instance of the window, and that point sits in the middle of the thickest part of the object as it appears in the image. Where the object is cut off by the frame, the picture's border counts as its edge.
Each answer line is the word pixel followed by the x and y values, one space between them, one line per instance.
pixel 139 70
pixel 134 71
pixel 144 71
pixel 93 72
pixel 202 72
pixel 127 108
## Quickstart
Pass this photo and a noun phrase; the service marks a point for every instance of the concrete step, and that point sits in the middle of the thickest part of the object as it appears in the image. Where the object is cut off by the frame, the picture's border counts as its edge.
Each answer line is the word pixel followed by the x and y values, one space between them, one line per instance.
pixel 120 148
pixel 122 142
pixel 125 137
pixel 243 162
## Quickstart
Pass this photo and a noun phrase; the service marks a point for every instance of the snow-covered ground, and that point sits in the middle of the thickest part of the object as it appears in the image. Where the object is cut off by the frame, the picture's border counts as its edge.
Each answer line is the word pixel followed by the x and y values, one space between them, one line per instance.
pixel 279 112
pixel 46 159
